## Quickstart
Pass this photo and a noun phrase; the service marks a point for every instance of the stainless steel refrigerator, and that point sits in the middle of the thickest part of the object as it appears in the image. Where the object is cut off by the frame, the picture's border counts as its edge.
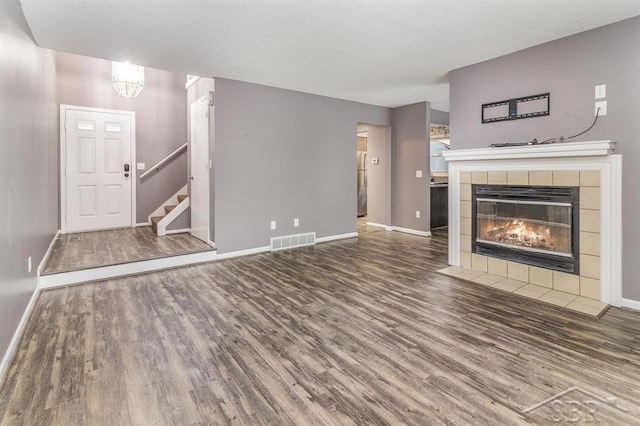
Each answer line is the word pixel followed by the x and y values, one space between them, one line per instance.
pixel 362 183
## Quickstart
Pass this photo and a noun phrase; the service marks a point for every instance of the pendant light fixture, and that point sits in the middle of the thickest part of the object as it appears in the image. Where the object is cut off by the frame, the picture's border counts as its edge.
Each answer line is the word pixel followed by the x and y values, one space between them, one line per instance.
pixel 128 79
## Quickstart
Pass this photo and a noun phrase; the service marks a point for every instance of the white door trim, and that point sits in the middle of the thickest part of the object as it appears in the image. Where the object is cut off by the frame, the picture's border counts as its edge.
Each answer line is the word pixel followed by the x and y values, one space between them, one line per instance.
pixel 63 159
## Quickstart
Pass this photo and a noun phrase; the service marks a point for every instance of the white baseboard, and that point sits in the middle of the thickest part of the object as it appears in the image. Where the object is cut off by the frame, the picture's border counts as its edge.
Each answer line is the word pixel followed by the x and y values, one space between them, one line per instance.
pixel 45 259
pixel 132 268
pixel 143 224
pixel 17 336
pixel 246 252
pixel 336 237
pixel 379 225
pixel 631 304
pixel 412 231
pixel 265 249
pixel 177 231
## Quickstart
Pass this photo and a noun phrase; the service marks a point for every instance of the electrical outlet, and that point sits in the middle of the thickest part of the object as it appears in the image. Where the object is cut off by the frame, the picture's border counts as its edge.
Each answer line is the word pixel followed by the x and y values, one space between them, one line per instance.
pixel 417 214
pixel 296 222
pixel 29 265
pixel 141 166
pixel 273 225
pixel 601 91
pixel 603 108
pixel 418 173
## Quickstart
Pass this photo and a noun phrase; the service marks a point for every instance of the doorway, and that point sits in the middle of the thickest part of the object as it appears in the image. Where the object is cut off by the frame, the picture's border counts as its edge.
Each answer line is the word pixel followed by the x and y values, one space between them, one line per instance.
pixel 374 159
pixel 97 154
pixel 201 117
pixel 361 170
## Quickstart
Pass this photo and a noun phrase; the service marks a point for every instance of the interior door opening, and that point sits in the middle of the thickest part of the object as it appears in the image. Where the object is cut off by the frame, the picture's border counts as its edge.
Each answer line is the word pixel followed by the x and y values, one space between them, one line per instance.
pixel 361 170
pixel 373 169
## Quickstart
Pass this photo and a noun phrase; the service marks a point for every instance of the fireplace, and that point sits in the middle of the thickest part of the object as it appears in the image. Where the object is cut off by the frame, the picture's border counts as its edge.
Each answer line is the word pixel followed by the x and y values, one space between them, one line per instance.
pixel 534 225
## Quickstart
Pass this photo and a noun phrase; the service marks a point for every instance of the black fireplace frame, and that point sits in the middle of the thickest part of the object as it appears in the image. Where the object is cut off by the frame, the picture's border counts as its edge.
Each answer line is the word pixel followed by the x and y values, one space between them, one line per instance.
pixel 559 194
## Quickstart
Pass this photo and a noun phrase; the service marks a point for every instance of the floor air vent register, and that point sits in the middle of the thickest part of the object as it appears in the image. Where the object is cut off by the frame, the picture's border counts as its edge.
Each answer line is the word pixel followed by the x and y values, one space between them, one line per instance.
pixel 291 241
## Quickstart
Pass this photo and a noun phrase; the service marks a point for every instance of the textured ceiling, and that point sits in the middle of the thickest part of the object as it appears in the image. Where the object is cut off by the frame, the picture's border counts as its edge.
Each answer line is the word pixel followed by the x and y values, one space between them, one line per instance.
pixel 382 52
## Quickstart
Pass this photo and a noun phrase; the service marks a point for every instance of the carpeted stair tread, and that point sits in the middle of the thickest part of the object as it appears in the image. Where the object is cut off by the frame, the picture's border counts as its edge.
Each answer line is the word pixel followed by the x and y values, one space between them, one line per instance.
pixel 167 209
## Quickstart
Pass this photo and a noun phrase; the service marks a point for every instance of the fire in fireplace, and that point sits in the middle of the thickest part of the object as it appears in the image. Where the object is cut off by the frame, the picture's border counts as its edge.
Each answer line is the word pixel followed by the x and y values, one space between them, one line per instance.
pixel 529 224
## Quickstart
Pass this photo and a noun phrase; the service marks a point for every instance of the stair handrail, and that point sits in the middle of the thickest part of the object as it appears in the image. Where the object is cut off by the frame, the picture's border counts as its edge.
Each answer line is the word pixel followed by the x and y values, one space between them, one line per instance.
pixel 163 161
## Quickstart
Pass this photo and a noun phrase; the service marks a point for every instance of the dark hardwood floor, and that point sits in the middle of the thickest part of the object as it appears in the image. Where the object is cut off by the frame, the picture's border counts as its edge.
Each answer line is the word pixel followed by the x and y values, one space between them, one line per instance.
pixel 73 252
pixel 358 331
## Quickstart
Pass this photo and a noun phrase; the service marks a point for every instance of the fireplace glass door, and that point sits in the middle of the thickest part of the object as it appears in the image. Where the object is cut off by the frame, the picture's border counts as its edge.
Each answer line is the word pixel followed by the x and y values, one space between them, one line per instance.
pixel 534 225
pixel 542 227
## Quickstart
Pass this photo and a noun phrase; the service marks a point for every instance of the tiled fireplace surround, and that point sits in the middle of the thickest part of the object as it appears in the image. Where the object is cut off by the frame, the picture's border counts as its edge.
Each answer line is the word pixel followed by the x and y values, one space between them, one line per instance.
pixel 587 165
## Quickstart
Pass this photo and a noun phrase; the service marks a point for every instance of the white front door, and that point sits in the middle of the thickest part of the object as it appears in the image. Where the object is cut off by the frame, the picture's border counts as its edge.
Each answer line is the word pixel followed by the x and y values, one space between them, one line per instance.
pixel 200 166
pixel 98 169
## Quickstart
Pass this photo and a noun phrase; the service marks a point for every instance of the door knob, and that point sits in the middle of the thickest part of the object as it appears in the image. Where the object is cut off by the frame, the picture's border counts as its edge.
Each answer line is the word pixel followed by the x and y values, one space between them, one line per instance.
pixel 190 178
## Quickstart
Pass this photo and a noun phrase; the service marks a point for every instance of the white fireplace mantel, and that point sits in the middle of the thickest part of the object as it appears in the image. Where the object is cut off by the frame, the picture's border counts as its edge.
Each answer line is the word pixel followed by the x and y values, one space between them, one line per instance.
pixel 593 155
pixel 571 149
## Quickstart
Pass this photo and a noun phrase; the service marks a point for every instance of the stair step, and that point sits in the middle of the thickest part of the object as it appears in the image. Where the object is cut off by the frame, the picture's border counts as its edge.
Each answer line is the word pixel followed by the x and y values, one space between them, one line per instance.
pixel 167 209
pixel 154 223
pixel 181 198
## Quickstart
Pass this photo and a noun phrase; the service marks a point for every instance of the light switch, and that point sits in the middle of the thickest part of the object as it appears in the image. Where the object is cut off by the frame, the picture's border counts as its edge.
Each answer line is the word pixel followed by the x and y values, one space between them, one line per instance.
pixel 601 91
pixel 296 222
pixel 374 161
pixel 418 173
pixel 141 166
pixel 273 224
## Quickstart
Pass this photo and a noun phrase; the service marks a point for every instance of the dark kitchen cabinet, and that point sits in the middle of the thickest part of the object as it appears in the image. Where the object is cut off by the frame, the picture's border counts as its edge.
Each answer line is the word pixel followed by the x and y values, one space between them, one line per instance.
pixel 439 205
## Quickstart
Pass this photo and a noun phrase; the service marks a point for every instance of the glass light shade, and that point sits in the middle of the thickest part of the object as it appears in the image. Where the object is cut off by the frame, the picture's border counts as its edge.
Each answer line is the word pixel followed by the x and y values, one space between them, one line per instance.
pixel 128 79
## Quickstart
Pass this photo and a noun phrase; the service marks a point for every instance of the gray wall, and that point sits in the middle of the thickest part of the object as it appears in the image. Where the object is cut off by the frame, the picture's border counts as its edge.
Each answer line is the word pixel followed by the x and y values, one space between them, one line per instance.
pixel 28 164
pixel 282 154
pixel 161 119
pixel 181 222
pixel 410 135
pixel 439 117
pixel 569 68
pixel 378 175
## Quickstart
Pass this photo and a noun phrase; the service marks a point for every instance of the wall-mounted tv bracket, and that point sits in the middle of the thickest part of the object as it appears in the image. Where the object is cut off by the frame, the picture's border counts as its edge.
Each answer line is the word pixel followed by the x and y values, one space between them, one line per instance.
pixel 516 108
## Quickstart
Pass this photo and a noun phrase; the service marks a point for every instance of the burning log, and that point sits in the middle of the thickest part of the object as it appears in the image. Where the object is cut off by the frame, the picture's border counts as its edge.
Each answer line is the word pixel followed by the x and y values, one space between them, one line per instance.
pixel 517 233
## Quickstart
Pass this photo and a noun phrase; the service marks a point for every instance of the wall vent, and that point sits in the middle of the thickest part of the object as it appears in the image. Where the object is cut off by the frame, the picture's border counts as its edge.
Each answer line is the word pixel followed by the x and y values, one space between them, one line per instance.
pixel 291 241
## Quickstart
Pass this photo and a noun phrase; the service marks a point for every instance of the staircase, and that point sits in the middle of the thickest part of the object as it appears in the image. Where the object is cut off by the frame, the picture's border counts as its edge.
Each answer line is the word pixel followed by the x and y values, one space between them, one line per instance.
pixel 168 212
pixel 156 220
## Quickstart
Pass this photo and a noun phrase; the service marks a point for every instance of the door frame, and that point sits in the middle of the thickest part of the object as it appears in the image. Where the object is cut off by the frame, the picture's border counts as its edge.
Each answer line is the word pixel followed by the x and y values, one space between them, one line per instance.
pixel 63 159
pixel 204 98
pixel 385 156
